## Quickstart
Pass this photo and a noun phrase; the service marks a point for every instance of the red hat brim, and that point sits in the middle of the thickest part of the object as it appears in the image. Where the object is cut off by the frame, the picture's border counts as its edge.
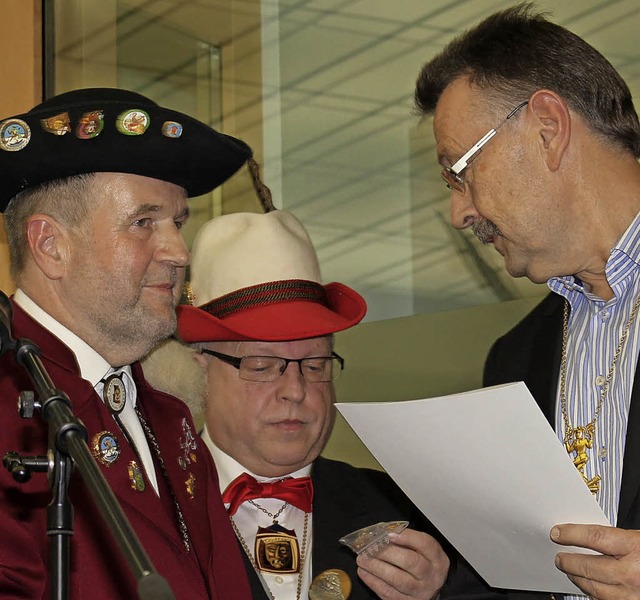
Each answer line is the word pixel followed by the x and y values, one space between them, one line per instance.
pixel 292 320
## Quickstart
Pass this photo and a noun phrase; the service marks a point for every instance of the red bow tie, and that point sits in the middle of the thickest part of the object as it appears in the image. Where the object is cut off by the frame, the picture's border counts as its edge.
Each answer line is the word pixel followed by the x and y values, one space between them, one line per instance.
pixel 297 492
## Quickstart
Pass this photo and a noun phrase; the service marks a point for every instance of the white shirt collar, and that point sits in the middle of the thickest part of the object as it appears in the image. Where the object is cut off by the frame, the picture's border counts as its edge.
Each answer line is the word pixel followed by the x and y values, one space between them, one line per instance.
pixel 92 366
pixel 229 468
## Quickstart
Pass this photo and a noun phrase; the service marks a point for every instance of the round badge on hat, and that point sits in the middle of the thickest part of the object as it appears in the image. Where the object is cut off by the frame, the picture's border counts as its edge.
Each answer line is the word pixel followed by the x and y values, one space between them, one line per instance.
pixel 114 394
pixel 91 125
pixel 105 448
pixel 171 129
pixel 133 122
pixel 14 135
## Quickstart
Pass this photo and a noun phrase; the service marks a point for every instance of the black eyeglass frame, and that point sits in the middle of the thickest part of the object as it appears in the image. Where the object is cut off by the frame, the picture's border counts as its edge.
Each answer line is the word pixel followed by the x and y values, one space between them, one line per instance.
pixel 236 361
pixel 452 175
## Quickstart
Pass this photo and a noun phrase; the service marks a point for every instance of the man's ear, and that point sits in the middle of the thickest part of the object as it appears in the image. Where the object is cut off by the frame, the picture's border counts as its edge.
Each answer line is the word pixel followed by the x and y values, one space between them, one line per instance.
pixel 554 123
pixel 49 244
pixel 200 358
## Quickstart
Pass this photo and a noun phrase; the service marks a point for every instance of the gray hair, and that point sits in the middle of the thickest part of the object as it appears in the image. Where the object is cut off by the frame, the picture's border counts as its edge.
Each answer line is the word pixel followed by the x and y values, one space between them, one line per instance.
pixel 66 200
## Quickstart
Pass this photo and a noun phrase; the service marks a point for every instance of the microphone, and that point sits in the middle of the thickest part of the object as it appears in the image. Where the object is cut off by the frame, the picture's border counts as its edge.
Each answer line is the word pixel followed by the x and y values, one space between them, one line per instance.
pixel 6 313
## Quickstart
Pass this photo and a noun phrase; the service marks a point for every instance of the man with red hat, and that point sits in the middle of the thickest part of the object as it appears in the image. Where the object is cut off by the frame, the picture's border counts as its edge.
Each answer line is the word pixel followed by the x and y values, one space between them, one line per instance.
pixel 94 194
pixel 263 330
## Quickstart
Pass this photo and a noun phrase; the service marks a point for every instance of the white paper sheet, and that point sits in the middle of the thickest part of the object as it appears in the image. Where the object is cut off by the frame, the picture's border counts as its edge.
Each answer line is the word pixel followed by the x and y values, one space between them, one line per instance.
pixel 489 472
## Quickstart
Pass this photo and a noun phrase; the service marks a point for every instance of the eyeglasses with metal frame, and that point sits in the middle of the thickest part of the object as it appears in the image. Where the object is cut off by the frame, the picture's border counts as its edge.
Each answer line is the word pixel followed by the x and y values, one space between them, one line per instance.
pixel 315 369
pixel 453 175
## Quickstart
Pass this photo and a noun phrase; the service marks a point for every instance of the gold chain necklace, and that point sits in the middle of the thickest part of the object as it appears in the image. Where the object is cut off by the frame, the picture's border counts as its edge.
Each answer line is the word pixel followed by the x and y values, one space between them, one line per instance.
pixel 580 439
pixel 303 555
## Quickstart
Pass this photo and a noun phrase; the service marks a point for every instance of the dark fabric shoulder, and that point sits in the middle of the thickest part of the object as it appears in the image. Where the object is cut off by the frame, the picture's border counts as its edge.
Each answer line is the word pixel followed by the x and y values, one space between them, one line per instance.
pixel 375 486
pixel 511 355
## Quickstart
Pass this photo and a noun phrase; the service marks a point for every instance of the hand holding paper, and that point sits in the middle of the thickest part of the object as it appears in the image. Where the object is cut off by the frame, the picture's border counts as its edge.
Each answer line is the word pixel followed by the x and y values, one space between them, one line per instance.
pixel 616 575
pixel 487 469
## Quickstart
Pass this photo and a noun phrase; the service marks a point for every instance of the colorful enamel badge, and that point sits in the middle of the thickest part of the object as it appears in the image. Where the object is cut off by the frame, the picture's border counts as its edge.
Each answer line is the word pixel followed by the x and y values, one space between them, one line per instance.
pixel 91 125
pixel 277 550
pixel 105 448
pixel 136 477
pixel 171 129
pixel 114 394
pixel 133 122
pixel 14 135
pixel 58 124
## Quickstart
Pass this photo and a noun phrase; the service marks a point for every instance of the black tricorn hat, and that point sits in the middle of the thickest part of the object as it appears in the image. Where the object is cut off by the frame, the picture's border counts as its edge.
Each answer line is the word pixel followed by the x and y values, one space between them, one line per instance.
pixel 113 130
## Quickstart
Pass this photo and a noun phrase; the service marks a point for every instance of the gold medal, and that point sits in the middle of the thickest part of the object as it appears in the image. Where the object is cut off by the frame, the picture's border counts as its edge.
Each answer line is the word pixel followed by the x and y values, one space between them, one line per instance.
pixel 333 584
pixel 277 550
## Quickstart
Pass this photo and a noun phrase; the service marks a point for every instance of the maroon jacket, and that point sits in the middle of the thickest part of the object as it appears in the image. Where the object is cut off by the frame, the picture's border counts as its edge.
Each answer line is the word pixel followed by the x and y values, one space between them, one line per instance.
pixel 212 569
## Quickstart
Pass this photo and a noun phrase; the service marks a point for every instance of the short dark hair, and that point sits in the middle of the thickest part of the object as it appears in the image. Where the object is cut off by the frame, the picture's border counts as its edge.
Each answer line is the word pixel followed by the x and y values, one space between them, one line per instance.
pixel 515 52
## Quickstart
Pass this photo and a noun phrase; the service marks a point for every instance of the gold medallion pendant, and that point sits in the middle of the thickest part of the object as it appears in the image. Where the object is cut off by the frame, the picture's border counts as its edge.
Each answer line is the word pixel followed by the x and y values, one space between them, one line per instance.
pixel 277 550
pixel 579 441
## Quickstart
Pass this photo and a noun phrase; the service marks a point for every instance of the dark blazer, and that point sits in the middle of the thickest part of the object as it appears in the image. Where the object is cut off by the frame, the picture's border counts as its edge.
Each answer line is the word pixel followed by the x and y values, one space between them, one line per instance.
pixel 531 352
pixel 212 569
pixel 347 498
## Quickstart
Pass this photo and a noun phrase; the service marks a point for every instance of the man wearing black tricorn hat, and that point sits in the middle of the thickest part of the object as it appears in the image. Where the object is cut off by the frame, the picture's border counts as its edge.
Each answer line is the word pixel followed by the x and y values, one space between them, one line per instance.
pixel 94 194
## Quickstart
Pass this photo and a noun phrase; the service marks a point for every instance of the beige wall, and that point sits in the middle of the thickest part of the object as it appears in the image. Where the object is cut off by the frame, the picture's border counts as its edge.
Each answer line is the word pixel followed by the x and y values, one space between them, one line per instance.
pixel 415 357
pixel 21 49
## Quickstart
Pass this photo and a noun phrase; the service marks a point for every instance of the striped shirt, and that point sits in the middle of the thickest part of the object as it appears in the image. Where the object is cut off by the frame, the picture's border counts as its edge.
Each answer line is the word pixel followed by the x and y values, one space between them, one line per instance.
pixel 594 333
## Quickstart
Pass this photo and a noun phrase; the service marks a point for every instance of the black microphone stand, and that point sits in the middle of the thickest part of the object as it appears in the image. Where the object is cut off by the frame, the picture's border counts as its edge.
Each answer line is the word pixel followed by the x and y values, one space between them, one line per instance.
pixel 68 447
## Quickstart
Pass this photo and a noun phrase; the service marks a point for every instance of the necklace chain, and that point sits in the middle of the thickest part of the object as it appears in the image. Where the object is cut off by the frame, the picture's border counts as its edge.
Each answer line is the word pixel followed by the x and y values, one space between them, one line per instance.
pixel 266 512
pixel 303 551
pixel 182 525
pixel 583 435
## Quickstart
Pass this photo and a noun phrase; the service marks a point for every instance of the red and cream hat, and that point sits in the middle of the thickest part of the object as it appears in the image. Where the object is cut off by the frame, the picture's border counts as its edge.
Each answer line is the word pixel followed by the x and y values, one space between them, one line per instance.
pixel 256 277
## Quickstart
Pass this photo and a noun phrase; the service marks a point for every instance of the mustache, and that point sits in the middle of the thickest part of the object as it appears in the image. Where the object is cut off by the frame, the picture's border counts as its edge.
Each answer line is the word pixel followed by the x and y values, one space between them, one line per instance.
pixel 485 231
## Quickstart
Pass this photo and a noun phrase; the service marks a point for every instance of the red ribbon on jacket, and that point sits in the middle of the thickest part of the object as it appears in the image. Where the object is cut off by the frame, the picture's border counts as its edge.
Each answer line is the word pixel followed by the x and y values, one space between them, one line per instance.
pixel 296 491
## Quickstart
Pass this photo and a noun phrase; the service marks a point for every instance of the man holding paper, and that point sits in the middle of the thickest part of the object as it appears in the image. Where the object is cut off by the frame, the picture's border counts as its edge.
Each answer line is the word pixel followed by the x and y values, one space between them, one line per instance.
pixel 557 192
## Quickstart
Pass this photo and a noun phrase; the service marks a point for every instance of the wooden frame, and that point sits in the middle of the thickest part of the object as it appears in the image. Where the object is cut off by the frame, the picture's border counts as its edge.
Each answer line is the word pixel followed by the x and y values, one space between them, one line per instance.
pixel 21 40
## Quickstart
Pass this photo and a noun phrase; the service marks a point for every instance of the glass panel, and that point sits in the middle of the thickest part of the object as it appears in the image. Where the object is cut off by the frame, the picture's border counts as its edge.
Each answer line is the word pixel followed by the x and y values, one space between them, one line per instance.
pixel 326 88
pixel 114 43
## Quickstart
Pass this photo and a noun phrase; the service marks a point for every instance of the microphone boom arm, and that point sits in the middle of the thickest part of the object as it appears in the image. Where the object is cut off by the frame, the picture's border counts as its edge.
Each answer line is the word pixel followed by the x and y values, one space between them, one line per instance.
pixel 68 447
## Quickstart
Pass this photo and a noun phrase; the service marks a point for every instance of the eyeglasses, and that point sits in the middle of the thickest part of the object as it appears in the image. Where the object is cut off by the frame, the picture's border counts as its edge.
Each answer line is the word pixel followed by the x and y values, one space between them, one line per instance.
pixel 452 175
pixel 315 369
